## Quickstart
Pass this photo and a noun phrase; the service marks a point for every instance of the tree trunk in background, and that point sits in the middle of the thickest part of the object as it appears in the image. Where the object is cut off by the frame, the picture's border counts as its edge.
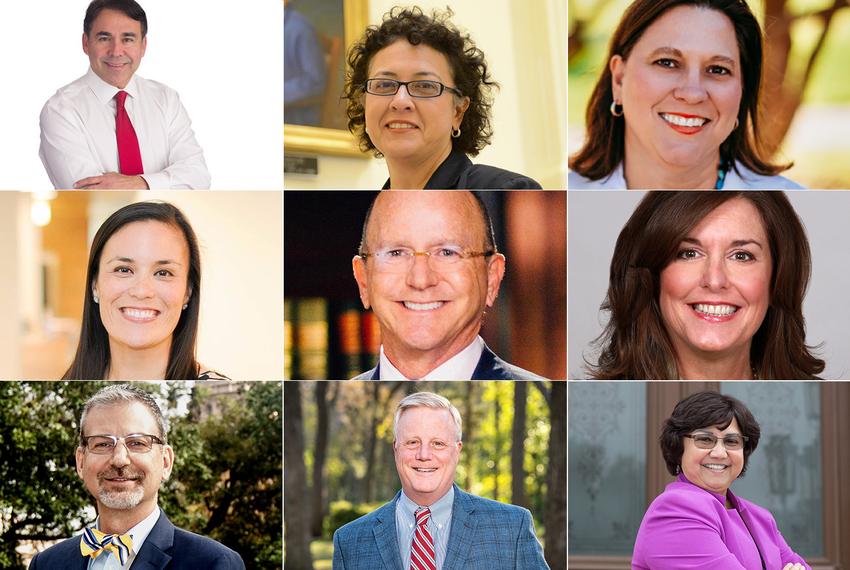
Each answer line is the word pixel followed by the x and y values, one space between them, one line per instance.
pixel 497 414
pixel 295 481
pixel 319 454
pixel 468 425
pixel 374 420
pixel 518 432
pixel 555 517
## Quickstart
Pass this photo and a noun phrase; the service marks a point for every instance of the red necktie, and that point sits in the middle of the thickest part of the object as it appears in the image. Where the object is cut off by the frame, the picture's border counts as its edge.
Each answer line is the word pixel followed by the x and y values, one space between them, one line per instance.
pixel 422 549
pixel 129 155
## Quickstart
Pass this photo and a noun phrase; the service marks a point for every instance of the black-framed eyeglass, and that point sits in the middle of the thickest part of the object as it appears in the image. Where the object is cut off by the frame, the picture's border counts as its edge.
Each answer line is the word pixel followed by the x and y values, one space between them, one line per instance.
pixel 732 441
pixel 420 88
pixel 104 444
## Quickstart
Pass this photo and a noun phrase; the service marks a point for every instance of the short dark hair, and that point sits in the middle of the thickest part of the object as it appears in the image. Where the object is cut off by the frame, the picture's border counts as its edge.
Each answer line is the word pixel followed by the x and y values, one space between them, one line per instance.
pixel 604 147
pixel 469 71
pixel 489 233
pixel 635 342
pixel 702 410
pixel 124 394
pixel 129 8
pixel 92 358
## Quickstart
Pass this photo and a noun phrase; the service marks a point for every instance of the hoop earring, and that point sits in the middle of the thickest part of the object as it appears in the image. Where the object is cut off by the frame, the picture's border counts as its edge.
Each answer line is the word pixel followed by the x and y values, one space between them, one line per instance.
pixel 613 109
pixel 456 133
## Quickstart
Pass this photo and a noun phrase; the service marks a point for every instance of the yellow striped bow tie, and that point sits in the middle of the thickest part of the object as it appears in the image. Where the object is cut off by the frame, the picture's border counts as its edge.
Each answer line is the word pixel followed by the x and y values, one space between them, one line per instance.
pixel 94 542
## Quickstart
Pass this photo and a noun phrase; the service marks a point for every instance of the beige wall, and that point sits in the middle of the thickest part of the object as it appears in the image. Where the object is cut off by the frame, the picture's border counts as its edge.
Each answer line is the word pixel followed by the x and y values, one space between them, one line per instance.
pixel 525 45
pixel 10 324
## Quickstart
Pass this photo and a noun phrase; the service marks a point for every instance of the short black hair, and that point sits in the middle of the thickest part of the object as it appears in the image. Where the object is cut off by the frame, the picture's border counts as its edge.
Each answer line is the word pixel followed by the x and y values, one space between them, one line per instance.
pixel 489 232
pixel 129 8
pixel 702 410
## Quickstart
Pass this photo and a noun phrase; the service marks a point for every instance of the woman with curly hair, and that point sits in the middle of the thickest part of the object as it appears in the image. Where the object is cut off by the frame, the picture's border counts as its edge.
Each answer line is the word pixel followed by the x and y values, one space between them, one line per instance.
pixel 419 94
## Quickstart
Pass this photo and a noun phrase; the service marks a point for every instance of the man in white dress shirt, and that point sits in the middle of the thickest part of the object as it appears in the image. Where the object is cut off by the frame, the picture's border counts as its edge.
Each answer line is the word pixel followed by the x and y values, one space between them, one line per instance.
pixel 428 267
pixel 111 129
pixel 123 457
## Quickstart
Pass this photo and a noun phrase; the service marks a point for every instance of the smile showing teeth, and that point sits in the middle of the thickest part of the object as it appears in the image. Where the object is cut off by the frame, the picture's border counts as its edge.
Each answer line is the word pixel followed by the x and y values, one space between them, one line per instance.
pixel 715 310
pixel 715 466
pixel 401 126
pixel 684 121
pixel 423 306
pixel 139 313
pixel 425 469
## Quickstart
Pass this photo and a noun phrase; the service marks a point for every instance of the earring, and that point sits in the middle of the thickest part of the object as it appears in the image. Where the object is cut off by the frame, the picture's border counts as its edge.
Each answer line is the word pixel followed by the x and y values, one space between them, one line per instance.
pixel 96 298
pixel 613 109
pixel 184 306
pixel 736 125
pixel 456 133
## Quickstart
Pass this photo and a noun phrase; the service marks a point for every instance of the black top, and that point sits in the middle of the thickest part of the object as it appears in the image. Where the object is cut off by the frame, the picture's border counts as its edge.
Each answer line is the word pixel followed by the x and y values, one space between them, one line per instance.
pixel 458 172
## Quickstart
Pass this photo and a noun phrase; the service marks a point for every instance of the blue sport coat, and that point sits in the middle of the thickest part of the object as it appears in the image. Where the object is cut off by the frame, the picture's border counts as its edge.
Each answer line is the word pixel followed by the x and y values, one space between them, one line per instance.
pixel 166 547
pixel 485 535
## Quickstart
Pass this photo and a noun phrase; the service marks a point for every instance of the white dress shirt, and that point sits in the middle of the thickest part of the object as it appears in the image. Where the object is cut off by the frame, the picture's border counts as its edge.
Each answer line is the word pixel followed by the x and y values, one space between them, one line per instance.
pixel 140 532
pixel 746 180
pixel 458 367
pixel 78 134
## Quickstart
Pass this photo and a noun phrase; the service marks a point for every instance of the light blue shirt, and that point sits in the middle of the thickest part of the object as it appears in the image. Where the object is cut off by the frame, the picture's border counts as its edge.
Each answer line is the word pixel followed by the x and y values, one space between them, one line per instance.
pixel 439 525
pixel 746 180
pixel 139 533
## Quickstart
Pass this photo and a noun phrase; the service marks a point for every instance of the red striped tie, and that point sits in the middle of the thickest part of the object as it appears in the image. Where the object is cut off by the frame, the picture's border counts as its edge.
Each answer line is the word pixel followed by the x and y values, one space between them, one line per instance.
pixel 129 155
pixel 422 549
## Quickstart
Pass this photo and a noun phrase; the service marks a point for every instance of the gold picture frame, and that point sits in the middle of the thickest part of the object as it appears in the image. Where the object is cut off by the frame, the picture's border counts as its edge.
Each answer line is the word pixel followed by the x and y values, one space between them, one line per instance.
pixel 332 141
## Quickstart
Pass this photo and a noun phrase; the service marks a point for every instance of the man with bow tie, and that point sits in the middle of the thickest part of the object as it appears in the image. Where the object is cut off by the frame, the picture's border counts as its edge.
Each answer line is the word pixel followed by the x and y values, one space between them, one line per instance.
pixel 431 524
pixel 123 457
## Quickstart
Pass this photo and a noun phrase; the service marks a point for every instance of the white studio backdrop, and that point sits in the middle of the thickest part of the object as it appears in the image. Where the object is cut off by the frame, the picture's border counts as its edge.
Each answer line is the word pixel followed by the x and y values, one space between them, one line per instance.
pixel 225 59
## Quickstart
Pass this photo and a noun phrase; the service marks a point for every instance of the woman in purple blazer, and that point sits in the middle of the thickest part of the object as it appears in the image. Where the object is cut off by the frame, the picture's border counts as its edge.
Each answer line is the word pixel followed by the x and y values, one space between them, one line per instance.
pixel 697 523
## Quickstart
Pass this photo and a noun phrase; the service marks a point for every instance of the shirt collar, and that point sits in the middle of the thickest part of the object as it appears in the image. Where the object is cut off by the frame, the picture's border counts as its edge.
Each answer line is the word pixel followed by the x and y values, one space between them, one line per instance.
pixel 106 92
pixel 441 509
pixel 140 532
pixel 458 367
pixel 733 500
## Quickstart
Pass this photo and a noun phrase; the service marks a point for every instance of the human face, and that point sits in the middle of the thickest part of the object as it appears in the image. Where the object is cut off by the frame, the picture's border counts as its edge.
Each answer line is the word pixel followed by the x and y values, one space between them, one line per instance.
pixel 426 453
pixel 680 89
pixel 713 469
pixel 142 285
pixel 715 293
pixel 407 128
pixel 124 481
pixel 115 47
pixel 428 311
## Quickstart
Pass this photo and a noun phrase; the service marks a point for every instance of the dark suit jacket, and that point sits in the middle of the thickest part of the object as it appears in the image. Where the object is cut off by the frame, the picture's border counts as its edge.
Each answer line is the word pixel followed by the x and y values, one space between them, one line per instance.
pixel 458 172
pixel 489 367
pixel 485 535
pixel 166 547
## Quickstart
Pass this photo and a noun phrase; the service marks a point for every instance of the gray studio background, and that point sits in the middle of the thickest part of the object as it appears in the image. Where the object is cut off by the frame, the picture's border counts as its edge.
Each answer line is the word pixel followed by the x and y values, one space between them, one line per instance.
pixel 596 218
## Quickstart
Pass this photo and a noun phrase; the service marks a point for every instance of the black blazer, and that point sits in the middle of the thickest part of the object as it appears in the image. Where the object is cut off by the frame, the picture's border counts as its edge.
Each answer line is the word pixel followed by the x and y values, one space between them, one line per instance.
pixel 489 367
pixel 166 547
pixel 458 172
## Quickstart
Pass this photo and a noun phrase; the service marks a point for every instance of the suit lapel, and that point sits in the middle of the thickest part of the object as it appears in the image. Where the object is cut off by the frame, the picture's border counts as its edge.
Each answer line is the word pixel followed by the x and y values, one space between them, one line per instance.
pixel 386 538
pixel 463 529
pixel 154 554
pixel 490 367
pixel 377 374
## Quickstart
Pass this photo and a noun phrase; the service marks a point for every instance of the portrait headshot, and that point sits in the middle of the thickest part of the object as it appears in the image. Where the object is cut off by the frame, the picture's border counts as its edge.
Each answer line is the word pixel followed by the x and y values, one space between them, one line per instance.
pixel 671 475
pixel 435 275
pixel 702 286
pixel 699 94
pixel 108 285
pixel 431 98
pixel 108 475
pixel 126 104
pixel 438 479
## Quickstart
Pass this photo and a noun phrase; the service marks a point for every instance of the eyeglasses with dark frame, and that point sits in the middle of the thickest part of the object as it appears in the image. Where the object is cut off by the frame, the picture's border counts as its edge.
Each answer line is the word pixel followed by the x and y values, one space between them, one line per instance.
pixel 419 88
pixel 401 258
pixel 731 441
pixel 104 444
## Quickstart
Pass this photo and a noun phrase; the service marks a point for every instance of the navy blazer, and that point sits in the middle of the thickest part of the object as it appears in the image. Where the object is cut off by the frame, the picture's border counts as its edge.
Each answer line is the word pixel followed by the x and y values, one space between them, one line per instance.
pixel 166 547
pixel 458 172
pixel 485 535
pixel 489 367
